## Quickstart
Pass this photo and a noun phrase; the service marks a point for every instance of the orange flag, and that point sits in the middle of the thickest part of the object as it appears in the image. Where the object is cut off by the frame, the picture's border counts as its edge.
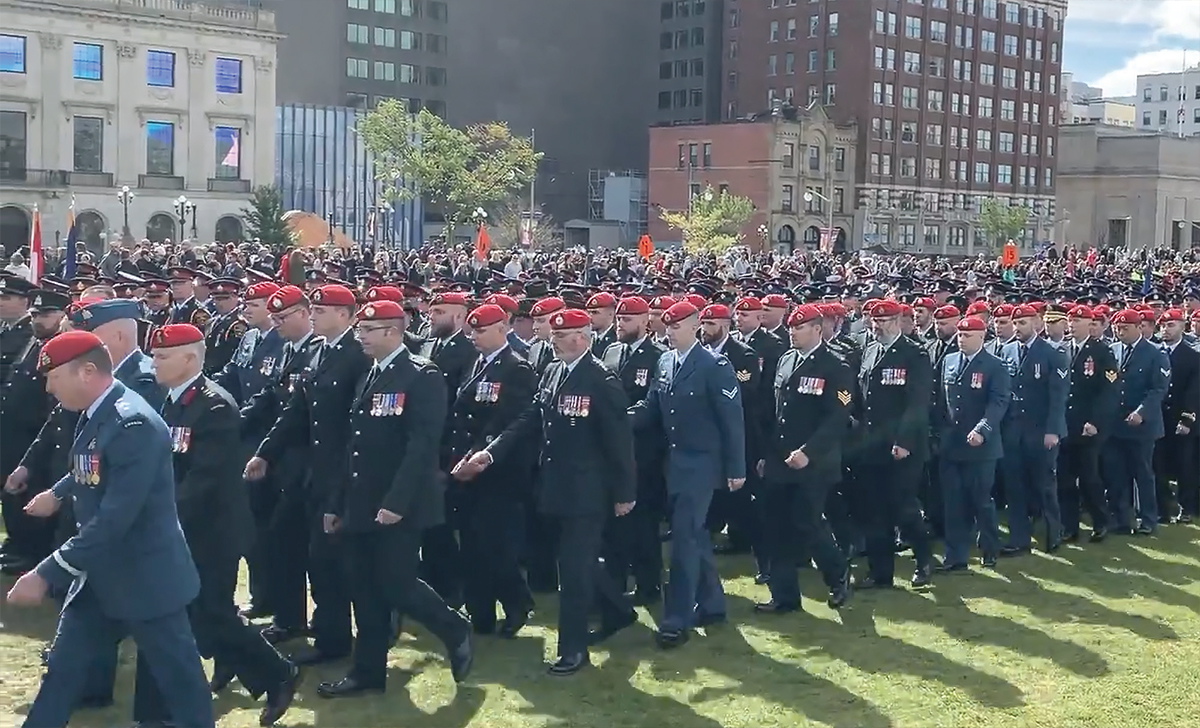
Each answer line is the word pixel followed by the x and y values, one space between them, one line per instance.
pixel 483 244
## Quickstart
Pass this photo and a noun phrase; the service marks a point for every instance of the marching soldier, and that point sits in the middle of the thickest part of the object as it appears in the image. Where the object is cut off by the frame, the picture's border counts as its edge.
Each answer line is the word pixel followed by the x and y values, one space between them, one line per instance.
pixel 969 410
pixel 225 328
pixel 186 309
pixel 602 307
pixel 633 543
pixel 1091 406
pixel 541 351
pixel 895 382
pixel 393 494
pixel 587 475
pixel 803 460
pixel 656 327
pixel 204 426
pixel 500 387
pixel 157 307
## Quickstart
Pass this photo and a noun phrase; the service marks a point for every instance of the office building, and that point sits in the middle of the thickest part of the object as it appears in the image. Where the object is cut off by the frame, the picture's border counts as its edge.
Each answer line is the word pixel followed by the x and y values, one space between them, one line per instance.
pixel 690 61
pixel 956 101
pixel 124 108
pixel 1128 187
pixel 1170 102
pixel 323 167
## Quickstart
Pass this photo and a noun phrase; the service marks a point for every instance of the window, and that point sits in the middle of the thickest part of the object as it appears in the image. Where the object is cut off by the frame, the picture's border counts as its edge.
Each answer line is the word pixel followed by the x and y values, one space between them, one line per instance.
pixel 160 69
pixel 435 76
pixel 964 37
pixel 87 61
pixel 987 74
pixel 937 67
pixel 1008 78
pixel 987 41
pixel 664 97
pixel 937 100
pixel 386 37
pixel 88 143
pixel 831 60
pixel 885 59
pixel 881 128
pixel 983 140
pixel 1010 45
pixel 772 65
pixel 1049 146
pixel 410 41
pixel 786 198
pixel 356 101
pixel 814 204
pixel 933 135
pixel 697 99
pixel 982 172
pixel 789 155
pixel 789 63
pixel 938 31
pixel 228 148
pixel 229 76
pixel 773 34
pixel 356 68
pixel 912 27
pixel 409 73
pixel 839 200
pixel 985 108
pixel 832 24
pixel 814 26
pixel 1006 142
pixel 1162 93
pixel 697 66
pixel 839 159
pixel 358 4
pixel 814 159
pixel 385 71
pixel 1047 177
pixel 933 168
pixel 12 54
pixel 1012 12
pixel 989 9
pixel 908 166
pixel 908 234
pixel 912 62
pixel 356 33
pixel 1162 117
pixel 697 37
pixel 160 148
pixel 908 97
pixel 385 6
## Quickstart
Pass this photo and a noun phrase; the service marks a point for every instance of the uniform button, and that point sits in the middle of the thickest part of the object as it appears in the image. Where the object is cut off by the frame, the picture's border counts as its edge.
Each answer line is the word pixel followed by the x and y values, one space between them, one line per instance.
pixel 354 454
pixel 316 442
pixel 356 432
pixel 354 475
pixel 548 459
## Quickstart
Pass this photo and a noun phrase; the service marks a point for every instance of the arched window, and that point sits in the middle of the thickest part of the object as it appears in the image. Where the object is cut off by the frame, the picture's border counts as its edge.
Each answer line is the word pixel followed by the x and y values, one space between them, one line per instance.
pixel 14 229
pixel 812 235
pixel 162 226
pixel 229 230
pixel 89 227
pixel 787 235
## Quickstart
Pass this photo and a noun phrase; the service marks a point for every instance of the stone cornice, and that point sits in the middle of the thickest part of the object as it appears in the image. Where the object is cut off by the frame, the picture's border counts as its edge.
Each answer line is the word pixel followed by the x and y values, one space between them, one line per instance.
pixel 108 17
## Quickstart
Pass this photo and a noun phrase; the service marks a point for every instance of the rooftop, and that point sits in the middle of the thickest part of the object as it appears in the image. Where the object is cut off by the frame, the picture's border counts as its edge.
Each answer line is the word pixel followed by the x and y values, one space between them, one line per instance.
pixel 243 14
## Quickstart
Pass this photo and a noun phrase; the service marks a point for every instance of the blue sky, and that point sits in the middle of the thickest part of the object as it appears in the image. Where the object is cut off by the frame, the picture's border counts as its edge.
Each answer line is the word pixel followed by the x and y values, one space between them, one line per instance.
pixel 1109 42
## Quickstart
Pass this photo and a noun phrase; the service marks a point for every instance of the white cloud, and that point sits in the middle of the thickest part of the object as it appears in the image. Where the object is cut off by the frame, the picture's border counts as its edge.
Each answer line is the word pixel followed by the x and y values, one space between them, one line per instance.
pixel 1166 18
pixel 1123 81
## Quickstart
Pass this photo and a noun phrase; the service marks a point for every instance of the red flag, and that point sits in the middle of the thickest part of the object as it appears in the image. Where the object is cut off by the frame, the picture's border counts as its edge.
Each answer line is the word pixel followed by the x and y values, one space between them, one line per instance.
pixel 483 244
pixel 36 261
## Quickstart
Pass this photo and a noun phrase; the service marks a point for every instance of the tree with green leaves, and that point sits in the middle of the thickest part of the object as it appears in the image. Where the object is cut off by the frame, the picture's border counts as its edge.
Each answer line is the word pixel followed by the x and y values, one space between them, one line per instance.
pixel 264 219
pixel 456 170
pixel 712 222
pixel 512 215
pixel 1000 222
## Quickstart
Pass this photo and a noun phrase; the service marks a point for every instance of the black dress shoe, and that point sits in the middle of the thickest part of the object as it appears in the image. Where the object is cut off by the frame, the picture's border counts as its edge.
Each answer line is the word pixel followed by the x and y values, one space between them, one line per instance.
pixel 1053 546
pixel 1009 551
pixel 762 579
pixel 222 676
pixel 1185 518
pixel 923 576
pixel 277 635
pixel 256 612
pixel 569 665
pixel 1144 530
pixel 988 561
pixel 1071 537
pixel 514 623
pixel 461 659
pixel 671 638
pixel 317 657
pixel 774 607
pixel 279 699
pixel 597 636
pixel 710 620
pixel 871 582
pixel 1098 535
pixel 947 568
pixel 839 595
pixel 345 688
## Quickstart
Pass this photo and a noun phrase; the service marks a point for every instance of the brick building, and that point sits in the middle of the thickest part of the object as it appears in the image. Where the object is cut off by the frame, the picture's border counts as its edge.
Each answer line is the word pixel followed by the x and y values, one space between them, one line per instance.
pixel 955 101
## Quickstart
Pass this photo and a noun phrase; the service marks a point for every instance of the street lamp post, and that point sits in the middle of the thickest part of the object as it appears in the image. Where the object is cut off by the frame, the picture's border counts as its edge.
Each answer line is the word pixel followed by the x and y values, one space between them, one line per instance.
pixel 385 219
pixel 183 206
pixel 809 195
pixel 125 196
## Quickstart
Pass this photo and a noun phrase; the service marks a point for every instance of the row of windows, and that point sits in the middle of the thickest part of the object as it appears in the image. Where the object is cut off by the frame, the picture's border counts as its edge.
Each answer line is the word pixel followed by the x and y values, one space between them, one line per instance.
pixel 87 136
pixel 958 137
pixel 669 9
pixel 681 69
pixel 1034 17
pixel 681 99
pixel 389 71
pixel 406 40
pixel 1163 117
pixel 884 94
pixel 947 201
pixel 960 70
pixel 1164 93
pixel 814 28
pixel 362 101
pixel 964 37
pixel 880 165
pixel 433 9
pixel 815 205
pixel 906 234
pixel 829 98
pixel 87 64
pixel 699 155
pixel 690 38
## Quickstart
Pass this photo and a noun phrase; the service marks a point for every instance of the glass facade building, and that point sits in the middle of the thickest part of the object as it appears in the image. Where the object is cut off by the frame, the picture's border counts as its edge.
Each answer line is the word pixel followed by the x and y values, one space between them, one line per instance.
pixel 323 167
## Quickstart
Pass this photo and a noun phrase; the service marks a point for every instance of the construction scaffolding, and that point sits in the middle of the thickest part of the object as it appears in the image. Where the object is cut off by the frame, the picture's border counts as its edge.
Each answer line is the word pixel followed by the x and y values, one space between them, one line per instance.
pixel 619 197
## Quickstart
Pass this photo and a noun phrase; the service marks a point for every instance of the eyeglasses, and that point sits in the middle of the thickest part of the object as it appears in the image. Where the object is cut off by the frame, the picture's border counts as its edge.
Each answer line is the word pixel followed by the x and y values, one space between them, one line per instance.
pixel 279 318
pixel 371 329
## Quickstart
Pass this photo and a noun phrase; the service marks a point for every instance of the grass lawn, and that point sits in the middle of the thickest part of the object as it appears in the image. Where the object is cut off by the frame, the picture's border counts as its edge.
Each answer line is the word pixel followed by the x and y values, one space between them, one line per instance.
pixel 1104 636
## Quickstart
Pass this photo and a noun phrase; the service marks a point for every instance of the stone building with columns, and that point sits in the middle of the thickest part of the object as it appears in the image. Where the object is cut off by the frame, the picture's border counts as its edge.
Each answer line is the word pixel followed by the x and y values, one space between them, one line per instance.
pixel 147 118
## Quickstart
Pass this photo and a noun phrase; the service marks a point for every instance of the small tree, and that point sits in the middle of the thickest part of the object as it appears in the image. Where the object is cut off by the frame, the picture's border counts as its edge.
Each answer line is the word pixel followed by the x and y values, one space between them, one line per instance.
pixel 1000 221
pixel 713 221
pixel 456 170
pixel 264 219
pixel 510 217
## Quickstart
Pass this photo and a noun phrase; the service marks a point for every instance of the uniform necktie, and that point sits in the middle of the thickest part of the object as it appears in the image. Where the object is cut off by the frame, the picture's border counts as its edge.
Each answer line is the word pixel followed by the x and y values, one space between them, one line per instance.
pixel 624 357
pixel 480 363
pixel 371 377
pixel 678 366
pixel 1024 350
pixel 1124 356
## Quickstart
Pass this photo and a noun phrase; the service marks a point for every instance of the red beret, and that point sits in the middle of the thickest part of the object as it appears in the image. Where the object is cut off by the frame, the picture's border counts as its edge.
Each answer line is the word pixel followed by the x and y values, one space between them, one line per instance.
pixel 381 311
pixel 385 293
pixel 869 305
pixel 833 309
pixel 972 323
pixel 1127 316
pixel 1024 311
pixel 1142 307
pixel 748 303
pixel 334 295
pixel 486 315
pixel 715 312
pixel 946 312
pixel 1004 310
pixel 570 318
pixel 775 300
pixel 906 310
pixel 66 347
pixel 804 314
pixel 1082 312
pixel 1196 315
pixel 661 303
pixel 261 291
pixel 1171 314
pixel 632 306
pixel 285 297
pixel 886 308
pixel 547 306
pixel 1101 311
pixel 449 298
pixel 924 302
pixel 1039 307
pixel 507 303
pixel 172 335
pixel 1147 315
pixel 696 300
pixel 679 312
pixel 603 299
pixel 977 308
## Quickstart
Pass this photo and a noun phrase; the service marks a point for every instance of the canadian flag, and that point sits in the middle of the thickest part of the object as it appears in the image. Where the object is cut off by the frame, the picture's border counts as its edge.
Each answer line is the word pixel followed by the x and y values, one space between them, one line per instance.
pixel 231 157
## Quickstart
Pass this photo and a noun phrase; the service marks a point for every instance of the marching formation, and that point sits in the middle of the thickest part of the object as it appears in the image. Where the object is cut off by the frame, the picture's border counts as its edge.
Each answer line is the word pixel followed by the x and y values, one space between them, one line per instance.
pixel 443 451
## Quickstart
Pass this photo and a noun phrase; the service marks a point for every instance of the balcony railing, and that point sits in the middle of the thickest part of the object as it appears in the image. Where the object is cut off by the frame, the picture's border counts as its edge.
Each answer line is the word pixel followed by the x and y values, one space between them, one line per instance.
pixel 92 179
pixel 42 178
pixel 160 182
pixel 225 184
